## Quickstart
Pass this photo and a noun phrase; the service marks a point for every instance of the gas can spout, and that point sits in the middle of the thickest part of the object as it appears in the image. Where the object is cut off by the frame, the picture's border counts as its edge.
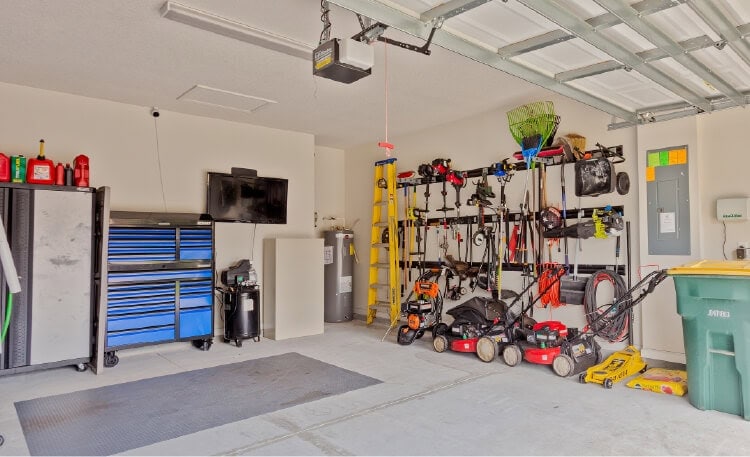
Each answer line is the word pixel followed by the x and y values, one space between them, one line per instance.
pixel 41 150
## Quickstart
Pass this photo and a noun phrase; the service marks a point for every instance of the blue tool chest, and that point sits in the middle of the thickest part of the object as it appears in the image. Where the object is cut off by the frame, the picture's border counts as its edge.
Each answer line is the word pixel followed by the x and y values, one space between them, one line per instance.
pixel 160 279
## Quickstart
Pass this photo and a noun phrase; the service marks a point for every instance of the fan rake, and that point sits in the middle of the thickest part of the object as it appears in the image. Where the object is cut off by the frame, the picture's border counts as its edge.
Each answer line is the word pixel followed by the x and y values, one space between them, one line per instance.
pixel 531 126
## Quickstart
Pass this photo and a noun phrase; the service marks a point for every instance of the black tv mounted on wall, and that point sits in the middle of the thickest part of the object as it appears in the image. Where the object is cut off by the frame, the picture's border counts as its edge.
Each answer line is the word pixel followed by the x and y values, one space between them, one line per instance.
pixel 246 198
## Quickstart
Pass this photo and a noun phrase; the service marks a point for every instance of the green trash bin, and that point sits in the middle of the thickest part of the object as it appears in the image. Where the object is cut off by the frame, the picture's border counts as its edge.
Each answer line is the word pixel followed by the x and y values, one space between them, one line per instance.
pixel 713 298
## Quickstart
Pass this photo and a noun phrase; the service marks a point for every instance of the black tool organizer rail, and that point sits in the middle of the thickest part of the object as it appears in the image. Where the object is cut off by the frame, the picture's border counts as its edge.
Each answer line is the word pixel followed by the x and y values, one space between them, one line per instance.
pixel 614 152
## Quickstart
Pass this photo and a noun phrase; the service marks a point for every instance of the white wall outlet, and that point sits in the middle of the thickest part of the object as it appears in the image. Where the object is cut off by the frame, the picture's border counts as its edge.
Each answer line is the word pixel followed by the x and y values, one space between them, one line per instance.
pixel 743 245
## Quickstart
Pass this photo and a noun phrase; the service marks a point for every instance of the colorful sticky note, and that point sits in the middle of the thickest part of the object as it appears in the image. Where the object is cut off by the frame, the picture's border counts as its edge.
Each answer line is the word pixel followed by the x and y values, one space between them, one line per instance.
pixel 653 159
pixel 664 158
pixel 674 155
pixel 681 156
pixel 650 174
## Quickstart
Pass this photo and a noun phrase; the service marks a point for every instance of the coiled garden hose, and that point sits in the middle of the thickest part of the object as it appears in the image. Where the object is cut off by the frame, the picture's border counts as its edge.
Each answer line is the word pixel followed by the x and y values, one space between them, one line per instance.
pixel 613 325
pixel 8 312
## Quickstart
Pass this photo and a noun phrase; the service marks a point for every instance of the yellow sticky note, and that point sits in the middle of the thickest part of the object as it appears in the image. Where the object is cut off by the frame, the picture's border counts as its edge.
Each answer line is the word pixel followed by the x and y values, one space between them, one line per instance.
pixel 650 174
pixel 681 156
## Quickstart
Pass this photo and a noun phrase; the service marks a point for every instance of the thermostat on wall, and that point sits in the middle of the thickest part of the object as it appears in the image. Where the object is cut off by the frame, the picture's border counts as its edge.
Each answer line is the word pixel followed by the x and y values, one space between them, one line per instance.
pixel 732 209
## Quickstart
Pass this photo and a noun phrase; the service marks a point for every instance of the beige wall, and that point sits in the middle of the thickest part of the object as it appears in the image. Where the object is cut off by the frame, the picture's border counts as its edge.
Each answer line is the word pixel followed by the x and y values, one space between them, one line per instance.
pixel 120 140
pixel 329 188
pixel 723 163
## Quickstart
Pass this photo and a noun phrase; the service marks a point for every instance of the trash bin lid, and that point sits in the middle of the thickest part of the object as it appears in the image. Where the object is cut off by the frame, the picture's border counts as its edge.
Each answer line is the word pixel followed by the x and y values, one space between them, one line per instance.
pixel 713 267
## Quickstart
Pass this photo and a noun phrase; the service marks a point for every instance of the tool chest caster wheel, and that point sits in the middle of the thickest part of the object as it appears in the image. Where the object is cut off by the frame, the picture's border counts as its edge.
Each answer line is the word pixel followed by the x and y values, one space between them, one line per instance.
pixel 203 345
pixel 582 378
pixel 110 359
pixel 238 342
pixel 81 367
pixel 608 383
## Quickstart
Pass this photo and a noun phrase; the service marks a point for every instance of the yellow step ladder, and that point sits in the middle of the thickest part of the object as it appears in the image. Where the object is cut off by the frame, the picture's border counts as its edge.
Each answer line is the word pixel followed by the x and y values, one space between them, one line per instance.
pixel 384 290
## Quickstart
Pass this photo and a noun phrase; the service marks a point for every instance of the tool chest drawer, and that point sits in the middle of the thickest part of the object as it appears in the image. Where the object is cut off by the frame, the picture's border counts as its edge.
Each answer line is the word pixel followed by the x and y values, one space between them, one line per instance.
pixel 196 244
pixel 195 294
pixel 137 245
pixel 139 337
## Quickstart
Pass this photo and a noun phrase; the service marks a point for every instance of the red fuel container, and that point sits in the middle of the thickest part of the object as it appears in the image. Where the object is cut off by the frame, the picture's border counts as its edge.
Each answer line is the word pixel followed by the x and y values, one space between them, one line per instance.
pixel 4 168
pixel 40 170
pixel 81 171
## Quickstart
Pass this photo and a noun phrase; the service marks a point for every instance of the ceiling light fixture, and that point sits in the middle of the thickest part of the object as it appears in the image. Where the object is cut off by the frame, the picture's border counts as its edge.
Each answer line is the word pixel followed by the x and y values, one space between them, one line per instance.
pixel 233 29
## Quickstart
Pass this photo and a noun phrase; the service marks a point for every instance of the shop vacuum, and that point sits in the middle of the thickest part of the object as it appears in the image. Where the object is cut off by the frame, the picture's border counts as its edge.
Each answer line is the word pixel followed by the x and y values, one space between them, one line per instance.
pixel 241 298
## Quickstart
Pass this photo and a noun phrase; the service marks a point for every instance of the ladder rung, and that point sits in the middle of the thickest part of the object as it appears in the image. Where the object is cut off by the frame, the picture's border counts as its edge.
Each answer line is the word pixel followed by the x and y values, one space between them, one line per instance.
pixel 381 224
pixel 379 284
pixel 380 304
pixel 383 203
pixel 381 245
pixel 380 265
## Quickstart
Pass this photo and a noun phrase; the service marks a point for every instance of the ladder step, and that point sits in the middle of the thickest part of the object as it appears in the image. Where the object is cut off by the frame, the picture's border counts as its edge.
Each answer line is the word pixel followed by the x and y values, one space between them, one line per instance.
pixel 381 245
pixel 381 224
pixel 379 284
pixel 380 304
pixel 383 203
pixel 380 265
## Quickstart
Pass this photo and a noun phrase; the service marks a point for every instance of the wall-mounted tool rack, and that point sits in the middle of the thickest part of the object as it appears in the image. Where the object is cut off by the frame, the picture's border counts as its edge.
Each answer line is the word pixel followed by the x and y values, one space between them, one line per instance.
pixel 614 154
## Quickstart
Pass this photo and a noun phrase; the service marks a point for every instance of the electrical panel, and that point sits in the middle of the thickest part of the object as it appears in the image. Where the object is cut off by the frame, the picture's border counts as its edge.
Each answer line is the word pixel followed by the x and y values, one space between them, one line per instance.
pixel 667 195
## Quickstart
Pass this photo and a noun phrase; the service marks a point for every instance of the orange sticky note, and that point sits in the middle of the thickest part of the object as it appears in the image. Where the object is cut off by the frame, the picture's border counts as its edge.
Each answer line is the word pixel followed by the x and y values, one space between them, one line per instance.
pixel 650 174
pixel 674 156
pixel 681 156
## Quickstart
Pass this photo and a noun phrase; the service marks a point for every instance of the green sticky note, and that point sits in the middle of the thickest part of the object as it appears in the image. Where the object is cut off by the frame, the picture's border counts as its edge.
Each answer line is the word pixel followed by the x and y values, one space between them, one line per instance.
pixel 664 158
pixel 653 159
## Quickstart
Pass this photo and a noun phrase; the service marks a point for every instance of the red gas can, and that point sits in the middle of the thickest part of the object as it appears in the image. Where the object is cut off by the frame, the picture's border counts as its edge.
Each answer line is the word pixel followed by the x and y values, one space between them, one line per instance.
pixel 81 171
pixel 4 168
pixel 40 170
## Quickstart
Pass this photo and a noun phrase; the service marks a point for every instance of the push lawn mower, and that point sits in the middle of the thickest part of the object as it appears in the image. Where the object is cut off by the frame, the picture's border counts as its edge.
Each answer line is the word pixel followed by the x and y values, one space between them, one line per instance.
pixel 477 323
pixel 481 324
pixel 548 342
pixel 425 311
pixel 551 343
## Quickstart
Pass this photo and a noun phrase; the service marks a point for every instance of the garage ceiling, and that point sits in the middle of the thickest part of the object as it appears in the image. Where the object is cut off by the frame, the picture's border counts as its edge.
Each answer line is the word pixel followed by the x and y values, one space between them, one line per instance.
pixel 639 61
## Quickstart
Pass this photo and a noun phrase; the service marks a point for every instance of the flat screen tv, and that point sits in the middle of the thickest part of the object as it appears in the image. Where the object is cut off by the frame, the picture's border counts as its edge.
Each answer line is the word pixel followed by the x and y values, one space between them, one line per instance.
pixel 246 198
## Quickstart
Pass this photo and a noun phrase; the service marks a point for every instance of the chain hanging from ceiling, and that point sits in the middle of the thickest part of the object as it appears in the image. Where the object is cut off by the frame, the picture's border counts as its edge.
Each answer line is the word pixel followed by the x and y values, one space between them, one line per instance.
pixel 325 10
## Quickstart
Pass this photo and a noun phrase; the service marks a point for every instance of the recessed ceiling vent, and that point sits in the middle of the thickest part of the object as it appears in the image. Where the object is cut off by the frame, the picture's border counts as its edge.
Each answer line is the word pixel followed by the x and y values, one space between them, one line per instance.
pixel 224 99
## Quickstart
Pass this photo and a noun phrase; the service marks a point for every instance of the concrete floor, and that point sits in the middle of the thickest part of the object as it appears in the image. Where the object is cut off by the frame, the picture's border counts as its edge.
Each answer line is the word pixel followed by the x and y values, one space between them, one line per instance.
pixel 427 404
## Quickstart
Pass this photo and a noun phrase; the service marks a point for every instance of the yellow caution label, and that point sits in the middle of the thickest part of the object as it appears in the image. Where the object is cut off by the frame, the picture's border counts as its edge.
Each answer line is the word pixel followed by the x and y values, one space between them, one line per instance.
pixel 323 62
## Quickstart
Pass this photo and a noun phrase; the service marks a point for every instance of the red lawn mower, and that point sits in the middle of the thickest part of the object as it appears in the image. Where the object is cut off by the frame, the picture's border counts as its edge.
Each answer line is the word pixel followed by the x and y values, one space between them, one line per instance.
pixel 548 342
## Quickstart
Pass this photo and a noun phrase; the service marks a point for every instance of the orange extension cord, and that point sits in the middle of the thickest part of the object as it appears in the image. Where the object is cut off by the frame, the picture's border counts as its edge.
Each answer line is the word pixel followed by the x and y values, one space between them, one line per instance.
pixel 552 296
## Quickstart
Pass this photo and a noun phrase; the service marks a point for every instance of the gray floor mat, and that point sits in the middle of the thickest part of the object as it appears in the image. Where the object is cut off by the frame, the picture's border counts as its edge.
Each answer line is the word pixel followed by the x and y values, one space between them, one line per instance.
pixel 112 419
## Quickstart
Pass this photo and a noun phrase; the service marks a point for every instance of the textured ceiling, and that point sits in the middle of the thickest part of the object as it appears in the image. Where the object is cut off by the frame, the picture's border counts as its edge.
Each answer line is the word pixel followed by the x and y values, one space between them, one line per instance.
pixel 126 52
